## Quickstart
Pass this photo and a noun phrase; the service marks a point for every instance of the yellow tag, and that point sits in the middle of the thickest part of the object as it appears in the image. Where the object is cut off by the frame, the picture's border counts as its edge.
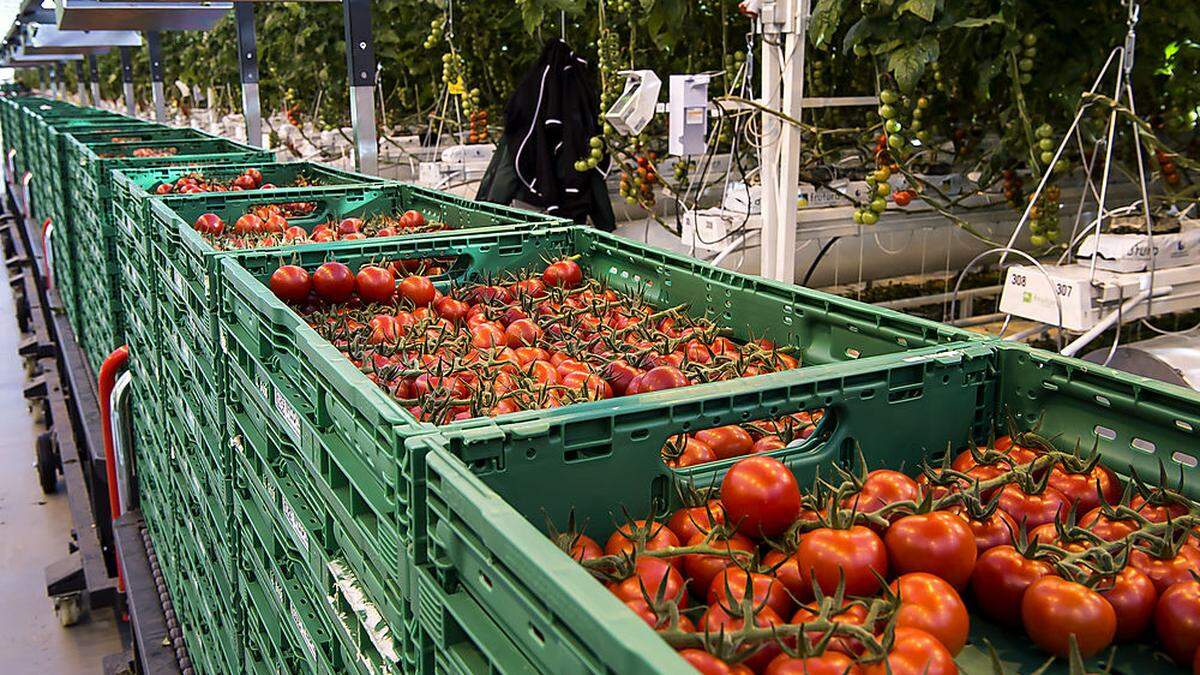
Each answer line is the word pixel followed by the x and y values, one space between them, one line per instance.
pixel 457 88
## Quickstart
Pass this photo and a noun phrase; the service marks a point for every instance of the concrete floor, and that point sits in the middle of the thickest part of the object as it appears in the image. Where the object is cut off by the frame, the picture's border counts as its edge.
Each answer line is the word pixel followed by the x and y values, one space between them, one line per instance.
pixel 34 530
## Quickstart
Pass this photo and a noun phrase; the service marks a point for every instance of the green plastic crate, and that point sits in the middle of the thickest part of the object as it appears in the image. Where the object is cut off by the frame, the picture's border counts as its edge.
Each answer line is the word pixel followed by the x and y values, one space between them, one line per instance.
pixel 488 498
pixel 354 434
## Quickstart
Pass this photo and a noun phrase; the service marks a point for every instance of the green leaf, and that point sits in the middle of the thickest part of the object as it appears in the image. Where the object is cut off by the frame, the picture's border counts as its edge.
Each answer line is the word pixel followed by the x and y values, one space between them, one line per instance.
pixel 907 63
pixel 922 8
pixel 979 23
pixel 824 22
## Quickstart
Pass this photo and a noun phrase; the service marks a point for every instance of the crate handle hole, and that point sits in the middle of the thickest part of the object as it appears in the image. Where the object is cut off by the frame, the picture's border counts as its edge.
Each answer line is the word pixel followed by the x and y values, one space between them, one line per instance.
pixel 1103 400
pixel 1143 445
pixel 530 453
pixel 852 353
pixel 537 634
pixel 485 580
pixel 1185 459
pixel 639 434
pixel 1104 432
pixel 1183 425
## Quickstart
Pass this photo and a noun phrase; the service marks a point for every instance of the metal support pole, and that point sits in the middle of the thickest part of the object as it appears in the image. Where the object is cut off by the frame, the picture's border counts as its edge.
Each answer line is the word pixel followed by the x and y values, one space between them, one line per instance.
pixel 94 79
pixel 127 80
pixel 790 142
pixel 360 63
pixel 769 161
pixel 154 43
pixel 248 64
pixel 80 82
pixel 60 81
pixel 41 78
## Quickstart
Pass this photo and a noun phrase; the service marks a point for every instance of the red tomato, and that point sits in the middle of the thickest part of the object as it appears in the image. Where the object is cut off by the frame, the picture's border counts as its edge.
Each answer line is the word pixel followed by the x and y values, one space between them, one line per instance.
pixel 784 568
pixel 383 329
pixel 689 520
pixel 248 224
pixel 564 273
pixel 902 198
pixel 412 219
pixel 209 223
pixel 1001 578
pixel 940 543
pixel 1177 621
pixel 929 603
pixel 761 497
pixel 1156 513
pixel 254 175
pixel 883 487
pixel 1106 528
pixel 1132 596
pixel 580 546
pixel 658 536
pixel 418 290
pixel 767 444
pixel 655 621
pixel 276 223
pixel 295 233
pixel 727 441
pixel 333 281
pixel 703 569
pixel 522 333
pixel 662 377
pixel 591 384
pixel 349 225
pixel 1034 510
pixel 1081 488
pixel 914 652
pixel 291 283
pixel 824 555
pixel 375 284
pixel 717 618
pixel 854 614
pixel 452 310
pixel 729 588
pixel 694 452
pixel 649 575
pixel 1053 609
pixel 829 663
pixel 996 530
pixel 705 663
pixel 1167 572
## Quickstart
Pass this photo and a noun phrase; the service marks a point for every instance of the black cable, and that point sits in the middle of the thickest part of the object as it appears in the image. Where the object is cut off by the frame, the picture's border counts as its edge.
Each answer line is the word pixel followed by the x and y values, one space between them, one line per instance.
pixel 816 261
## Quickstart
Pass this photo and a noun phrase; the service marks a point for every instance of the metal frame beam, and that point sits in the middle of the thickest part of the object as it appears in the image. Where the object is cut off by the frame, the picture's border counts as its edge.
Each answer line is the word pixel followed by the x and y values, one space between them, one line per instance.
pixel 94 79
pixel 154 44
pixel 360 63
pixel 248 67
pixel 127 81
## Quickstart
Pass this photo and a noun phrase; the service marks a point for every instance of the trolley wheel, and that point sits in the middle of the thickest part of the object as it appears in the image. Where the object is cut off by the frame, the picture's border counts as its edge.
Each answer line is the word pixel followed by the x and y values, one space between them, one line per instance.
pixel 68 608
pixel 47 464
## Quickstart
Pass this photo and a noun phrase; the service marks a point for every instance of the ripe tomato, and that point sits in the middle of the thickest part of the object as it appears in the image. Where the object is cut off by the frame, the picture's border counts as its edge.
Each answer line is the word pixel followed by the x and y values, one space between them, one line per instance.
pixel 694 452
pixel 1106 528
pixel 418 290
pixel 522 333
pixel 727 441
pixel 717 618
pixel 254 175
pixel 914 652
pixel 290 283
pixel 783 567
pixel 1081 488
pixel 1132 596
pixel 996 530
pixel 208 223
pixel 1001 578
pixel 579 546
pixel 829 663
pixel 939 542
pixel 705 663
pixel 1177 620
pixel 248 224
pixel 929 603
pixel 690 520
pixel 729 588
pixel 564 273
pixel 1156 513
pixel 1034 510
pixel 412 219
pixel 295 233
pixel 703 569
pixel 825 555
pixel 375 284
pixel 276 223
pixel 855 614
pixel 334 282
pixel 761 497
pixel 452 310
pixel 1053 609
pixel 657 621
pixel 593 387
pixel 883 487
pixel 1166 572
pixel 649 575
pixel 658 536
pixel 383 329
pixel 902 198
pixel 660 378
pixel 348 226
pixel 767 444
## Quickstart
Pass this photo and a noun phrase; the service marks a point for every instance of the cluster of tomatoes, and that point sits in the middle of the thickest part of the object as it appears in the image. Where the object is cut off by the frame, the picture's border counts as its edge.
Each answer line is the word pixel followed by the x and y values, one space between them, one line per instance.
pixel 879 574
pixel 638 184
pixel 1170 172
pixel 478 127
pixel 155 152
pixel 267 225
pixel 250 179
pixel 734 440
pixel 532 341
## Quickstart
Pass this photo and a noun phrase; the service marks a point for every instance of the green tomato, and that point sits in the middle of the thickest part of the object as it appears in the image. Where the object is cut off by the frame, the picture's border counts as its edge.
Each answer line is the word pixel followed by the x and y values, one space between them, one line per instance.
pixel 632 201
pixel 923 136
pixel 1030 52
pixel 581 166
pixel 888 96
pixel 1025 65
pixel 881 175
pixel 858 217
pixel 1052 233
pixel 861 50
pixel 883 189
pixel 1037 240
pixel 595 142
pixel 895 141
pixel 1025 78
pixel 879 205
pixel 887 112
pixel 1061 165
pixel 1029 40
pixel 596 153
pixel 892 126
pixel 869 217
pixel 1047 157
pixel 1045 131
pixel 915 125
pixel 1046 144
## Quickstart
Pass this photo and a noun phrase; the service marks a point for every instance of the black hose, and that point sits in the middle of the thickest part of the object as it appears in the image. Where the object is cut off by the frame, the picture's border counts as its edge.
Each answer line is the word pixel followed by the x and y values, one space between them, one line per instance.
pixel 816 261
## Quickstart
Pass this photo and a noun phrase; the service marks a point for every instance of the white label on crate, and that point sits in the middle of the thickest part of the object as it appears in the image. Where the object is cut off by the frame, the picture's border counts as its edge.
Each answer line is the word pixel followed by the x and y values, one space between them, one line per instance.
pixel 262 389
pixel 224 343
pixel 294 521
pixel 178 280
pixel 206 284
pixel 290 416
pixel 308 642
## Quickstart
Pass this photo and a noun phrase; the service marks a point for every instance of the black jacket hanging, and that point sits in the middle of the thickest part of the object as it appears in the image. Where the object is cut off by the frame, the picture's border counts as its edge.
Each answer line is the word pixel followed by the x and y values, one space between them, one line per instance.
pixel 548 123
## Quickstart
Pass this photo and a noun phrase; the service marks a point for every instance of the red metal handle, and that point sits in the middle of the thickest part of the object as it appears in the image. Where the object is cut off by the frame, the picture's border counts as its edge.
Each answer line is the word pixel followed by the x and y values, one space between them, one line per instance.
pixel 107 379
pixel 46 255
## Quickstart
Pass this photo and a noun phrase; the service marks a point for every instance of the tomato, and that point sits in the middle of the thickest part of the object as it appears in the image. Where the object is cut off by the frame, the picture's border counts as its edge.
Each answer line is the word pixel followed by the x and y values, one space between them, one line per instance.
pixel 703 569
pixel 208 223
pixel 1053 609
pixel 717 618
pixel 662 377
pixel 690 520
pixel 564 273
pixel 533 288
pixel 1106 528
pixel 929 603
pixel 729 588
pixel 1081 488
pixel 902 198
pixel 412 219
pixel 761 497
pixel 418 290
pixel 854 613
pixel 1132 596
pixel 375 284
pixel 914 652
pixel 694 452
pixel 1156 513
pixel 580 546
pixel 590 384
pixel 1166 572
pixel 452 310
pixel 829 663
pixel 996 530
pixel 295 233
pixel 1001 578
pixel 657 535
pixel 276 223
pixel 383 329
pixel 348 226
pixel 767 444
pixel 333 281
pixel 649 575
pixel 290 283
pixel 727 441
pixel 248 224
pixel 1034 510
pixel 883 487
pixel 825 555
pixel 1177 621
pixel 254 175
pixel 705 663
pixel 939 542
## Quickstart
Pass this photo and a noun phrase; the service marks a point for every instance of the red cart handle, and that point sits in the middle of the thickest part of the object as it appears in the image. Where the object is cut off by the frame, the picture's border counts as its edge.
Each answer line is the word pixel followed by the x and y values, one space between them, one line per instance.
pixel 107 379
